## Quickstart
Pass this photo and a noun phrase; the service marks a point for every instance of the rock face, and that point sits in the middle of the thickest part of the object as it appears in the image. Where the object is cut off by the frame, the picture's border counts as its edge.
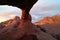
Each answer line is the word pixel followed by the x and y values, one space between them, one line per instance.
pixel 10 23
pixel 51 27
pixel 23 30
pixel 16 19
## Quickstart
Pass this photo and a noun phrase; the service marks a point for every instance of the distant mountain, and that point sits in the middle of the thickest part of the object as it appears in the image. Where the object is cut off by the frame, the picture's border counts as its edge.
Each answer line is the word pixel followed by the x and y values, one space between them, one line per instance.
pixel 51 25
pixel 49 20
pixel 45 20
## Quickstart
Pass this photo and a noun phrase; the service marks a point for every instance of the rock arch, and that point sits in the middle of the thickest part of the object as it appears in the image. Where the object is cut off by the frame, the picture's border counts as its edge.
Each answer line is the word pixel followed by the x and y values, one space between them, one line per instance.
pixel 24 5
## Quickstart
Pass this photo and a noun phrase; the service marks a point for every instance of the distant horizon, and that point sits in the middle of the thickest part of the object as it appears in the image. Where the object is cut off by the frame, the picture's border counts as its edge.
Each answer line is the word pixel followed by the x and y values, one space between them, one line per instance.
pixel 41 9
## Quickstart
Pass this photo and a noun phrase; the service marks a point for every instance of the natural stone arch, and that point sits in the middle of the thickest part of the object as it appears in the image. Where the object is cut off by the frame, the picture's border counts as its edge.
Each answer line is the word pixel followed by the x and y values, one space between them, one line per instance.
pixel 24 5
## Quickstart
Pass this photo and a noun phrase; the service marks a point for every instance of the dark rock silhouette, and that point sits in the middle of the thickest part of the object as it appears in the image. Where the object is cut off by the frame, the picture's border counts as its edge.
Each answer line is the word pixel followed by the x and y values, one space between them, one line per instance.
pixel 57 36
pixel 28 37
pixel 25 5
pixel 41 28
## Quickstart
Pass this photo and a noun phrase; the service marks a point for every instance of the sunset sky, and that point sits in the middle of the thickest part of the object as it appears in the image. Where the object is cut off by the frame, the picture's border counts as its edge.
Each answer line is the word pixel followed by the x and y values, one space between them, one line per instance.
pixel 41 9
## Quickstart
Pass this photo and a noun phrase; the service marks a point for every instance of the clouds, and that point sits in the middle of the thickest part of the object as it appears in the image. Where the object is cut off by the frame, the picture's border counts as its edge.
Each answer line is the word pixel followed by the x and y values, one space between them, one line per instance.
pixel 45 8
pixel 2 18
pixel 41 9
pixel 8 12
pixel 47 5
pixel 46 2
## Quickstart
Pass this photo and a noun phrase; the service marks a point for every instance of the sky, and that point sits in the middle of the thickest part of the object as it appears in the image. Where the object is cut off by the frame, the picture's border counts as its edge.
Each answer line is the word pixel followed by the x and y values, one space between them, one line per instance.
pixel 41 9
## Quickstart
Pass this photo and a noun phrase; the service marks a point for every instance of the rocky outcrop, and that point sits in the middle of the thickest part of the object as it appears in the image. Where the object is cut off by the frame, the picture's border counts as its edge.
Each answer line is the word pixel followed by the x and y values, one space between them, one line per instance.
pixel 10 23
pixel 16 29
pixel 24 31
